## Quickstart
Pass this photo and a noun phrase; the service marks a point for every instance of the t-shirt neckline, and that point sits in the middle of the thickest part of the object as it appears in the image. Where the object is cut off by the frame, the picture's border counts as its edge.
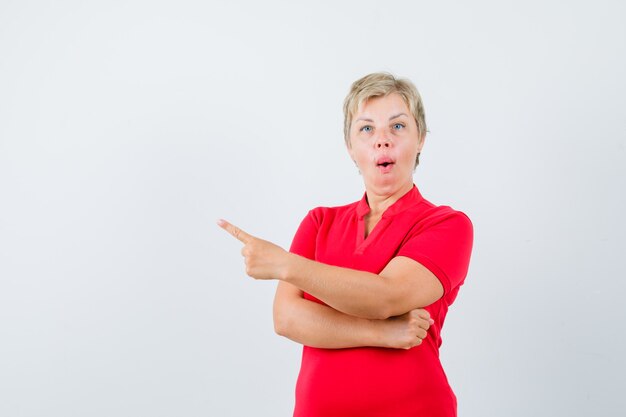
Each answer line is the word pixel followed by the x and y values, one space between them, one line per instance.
pixel 408 200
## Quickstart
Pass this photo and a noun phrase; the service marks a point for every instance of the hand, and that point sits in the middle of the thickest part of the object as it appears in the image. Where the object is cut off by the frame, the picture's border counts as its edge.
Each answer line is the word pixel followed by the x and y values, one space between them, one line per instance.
pixel 406 331
pixel 263 259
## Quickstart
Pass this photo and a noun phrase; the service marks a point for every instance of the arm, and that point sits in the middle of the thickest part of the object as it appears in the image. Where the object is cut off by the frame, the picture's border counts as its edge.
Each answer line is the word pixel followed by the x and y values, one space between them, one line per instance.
pixel 316 325
pixel 402 286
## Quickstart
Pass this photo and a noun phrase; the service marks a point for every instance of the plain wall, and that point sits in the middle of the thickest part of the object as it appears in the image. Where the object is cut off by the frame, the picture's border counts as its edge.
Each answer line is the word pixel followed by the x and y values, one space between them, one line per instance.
pixel 128 127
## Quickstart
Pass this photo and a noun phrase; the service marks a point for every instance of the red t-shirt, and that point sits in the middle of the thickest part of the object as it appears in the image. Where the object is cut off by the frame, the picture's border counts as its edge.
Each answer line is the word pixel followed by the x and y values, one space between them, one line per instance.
pixel 379 382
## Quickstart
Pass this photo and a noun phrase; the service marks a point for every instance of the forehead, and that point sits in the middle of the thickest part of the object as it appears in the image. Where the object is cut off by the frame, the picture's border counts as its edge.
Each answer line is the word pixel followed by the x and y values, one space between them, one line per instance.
pixel 382 106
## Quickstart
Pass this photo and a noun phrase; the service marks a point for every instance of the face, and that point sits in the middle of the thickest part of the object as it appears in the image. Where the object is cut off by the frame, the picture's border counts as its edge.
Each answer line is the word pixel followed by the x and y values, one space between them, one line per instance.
pixel 384 143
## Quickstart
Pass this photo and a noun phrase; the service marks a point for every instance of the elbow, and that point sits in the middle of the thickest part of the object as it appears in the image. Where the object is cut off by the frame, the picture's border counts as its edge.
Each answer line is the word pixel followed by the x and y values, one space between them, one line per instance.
pixel 380 311
pixel 386 308
pixel 385 304
pixel 280 328
pixel 281 322
pixel 384 313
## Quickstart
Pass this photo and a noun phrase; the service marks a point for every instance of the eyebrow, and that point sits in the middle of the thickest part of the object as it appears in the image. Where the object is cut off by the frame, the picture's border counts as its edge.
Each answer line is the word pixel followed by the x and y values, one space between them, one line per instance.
pixel 371 121
pixel 398 115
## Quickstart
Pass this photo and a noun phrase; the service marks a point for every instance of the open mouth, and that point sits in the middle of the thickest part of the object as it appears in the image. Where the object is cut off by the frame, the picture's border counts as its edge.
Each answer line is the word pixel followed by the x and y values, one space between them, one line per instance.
pixel 384 162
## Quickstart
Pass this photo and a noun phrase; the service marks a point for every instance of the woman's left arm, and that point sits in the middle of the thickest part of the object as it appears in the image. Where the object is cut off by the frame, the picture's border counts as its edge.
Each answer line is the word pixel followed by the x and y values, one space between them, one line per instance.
pixel 403 285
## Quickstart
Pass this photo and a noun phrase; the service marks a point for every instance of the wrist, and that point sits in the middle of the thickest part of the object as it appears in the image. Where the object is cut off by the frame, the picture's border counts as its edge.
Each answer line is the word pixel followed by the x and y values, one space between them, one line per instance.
pixel 288 271
pixel 377 333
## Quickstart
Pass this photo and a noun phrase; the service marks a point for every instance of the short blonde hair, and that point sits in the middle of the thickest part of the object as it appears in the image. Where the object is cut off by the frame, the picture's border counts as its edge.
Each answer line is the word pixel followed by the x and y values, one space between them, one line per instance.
pixel 380 84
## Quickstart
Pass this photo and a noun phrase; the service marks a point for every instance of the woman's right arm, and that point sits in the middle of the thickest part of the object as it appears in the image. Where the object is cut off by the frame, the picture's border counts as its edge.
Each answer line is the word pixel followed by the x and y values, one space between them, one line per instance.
pixel 317 325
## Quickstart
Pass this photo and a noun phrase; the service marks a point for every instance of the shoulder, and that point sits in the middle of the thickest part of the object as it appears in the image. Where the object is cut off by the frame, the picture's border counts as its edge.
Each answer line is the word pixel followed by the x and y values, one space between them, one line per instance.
pixel 427 215
pixel 324 214
pixel 316 225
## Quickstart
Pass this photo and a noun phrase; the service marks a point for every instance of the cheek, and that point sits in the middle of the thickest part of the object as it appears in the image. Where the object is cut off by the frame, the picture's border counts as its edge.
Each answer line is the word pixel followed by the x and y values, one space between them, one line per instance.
pixel 362 156
pixel 409 154
pixel 354 151
pixel 353 155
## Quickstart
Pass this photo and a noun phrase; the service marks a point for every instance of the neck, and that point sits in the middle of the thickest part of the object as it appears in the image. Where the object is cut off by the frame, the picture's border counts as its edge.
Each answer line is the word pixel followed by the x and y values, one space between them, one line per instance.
pixel 379 202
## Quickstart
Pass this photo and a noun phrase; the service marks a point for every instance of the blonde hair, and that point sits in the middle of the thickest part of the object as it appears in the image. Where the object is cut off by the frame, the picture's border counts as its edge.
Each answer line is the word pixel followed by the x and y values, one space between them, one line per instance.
pixel 380 84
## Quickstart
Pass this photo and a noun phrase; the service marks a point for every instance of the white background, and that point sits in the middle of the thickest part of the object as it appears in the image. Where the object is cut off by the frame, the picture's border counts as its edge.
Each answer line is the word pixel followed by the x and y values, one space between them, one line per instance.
pixel 127 128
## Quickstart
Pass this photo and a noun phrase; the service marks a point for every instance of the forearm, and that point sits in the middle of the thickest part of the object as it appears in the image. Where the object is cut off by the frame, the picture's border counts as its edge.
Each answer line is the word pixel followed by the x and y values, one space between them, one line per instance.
pixel 353 292
pixel 317 325
pixel 403 285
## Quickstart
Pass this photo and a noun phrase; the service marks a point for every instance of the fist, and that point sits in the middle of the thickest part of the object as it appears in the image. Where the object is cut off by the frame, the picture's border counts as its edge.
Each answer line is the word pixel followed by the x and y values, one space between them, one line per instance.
pixel 408 330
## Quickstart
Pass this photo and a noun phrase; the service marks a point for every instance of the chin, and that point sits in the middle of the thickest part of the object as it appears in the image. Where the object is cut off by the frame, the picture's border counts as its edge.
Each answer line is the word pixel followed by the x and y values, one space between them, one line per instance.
pixel 385 186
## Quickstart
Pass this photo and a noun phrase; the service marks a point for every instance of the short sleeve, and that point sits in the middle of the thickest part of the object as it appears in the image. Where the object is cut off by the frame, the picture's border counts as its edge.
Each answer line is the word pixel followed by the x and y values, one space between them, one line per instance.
pixel 444 247
pixel 304 241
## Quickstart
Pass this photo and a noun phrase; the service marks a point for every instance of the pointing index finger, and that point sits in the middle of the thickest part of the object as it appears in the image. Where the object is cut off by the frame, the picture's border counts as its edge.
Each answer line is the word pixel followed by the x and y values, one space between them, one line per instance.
pixel 236 232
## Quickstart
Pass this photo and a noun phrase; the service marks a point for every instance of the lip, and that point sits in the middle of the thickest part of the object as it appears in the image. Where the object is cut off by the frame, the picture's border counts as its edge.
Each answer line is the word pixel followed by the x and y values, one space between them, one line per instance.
pixel 384 160
pixel 385 164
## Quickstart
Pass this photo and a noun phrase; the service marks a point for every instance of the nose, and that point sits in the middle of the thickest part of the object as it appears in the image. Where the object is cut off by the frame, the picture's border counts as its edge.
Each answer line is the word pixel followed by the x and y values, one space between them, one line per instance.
pixel 383 140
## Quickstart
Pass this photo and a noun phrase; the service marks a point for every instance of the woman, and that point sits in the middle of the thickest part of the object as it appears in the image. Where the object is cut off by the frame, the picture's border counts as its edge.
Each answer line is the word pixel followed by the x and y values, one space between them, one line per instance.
pixel 364 284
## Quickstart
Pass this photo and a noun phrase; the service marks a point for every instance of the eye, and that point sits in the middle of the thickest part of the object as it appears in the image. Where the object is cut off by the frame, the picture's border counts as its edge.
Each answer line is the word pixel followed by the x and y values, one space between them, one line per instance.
pixel 366 129
pixel 398 126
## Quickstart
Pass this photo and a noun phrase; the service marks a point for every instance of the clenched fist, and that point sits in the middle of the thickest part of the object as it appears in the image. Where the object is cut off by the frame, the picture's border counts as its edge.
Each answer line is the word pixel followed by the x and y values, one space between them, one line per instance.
pixel 406 331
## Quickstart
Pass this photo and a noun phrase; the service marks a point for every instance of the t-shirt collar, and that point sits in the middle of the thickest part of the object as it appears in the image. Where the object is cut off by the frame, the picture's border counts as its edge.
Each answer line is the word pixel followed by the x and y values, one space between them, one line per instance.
pixel 408 200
